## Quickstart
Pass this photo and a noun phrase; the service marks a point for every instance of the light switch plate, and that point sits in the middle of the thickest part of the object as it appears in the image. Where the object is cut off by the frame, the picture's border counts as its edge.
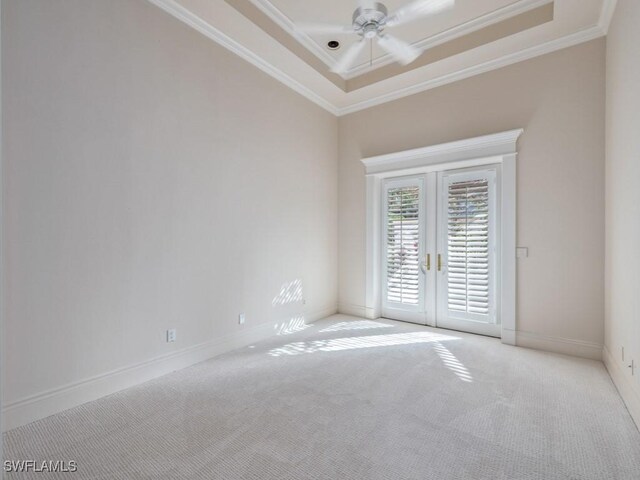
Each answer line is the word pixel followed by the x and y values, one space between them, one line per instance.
pixel 522 252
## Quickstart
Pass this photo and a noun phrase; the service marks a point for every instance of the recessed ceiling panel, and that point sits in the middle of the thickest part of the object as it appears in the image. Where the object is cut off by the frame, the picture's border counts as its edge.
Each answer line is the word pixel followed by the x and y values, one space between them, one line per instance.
pixel 464 13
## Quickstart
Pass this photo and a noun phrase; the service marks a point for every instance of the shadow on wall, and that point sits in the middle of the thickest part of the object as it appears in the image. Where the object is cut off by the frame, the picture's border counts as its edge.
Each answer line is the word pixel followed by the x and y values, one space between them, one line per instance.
pixel 293 325
pixel 290 292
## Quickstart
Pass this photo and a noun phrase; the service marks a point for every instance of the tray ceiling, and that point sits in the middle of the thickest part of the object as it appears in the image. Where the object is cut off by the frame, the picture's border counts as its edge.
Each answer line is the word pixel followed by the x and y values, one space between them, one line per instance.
pixel 474 37
pixel 465 16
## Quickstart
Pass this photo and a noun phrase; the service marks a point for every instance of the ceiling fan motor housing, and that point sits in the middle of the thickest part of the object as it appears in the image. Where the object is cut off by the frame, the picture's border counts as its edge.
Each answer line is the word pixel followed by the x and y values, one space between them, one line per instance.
pixel 369 22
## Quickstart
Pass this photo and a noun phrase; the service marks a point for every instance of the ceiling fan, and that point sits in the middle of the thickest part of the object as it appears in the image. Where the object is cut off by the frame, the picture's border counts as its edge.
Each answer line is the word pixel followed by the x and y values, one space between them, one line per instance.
pixel 369 22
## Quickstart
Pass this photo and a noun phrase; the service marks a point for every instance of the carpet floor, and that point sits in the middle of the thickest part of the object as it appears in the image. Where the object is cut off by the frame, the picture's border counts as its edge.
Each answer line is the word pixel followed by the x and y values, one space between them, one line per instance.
pixel 346 399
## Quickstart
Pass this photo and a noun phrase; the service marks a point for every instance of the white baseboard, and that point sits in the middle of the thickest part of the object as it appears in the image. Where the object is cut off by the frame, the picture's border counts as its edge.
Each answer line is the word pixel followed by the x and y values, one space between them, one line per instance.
pixel 566 346
pixel 628 389
pixel 322 313
pixel 44 404
pixel 353 310
pixel 508 336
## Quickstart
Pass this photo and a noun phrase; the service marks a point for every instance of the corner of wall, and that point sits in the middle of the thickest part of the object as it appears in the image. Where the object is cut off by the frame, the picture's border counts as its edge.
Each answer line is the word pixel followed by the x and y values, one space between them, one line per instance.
pixel 628 391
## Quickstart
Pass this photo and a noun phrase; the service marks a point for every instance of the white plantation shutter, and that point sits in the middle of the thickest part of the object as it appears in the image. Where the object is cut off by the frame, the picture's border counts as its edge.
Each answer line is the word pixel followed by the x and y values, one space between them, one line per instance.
pixel 469 247
pixel 403 244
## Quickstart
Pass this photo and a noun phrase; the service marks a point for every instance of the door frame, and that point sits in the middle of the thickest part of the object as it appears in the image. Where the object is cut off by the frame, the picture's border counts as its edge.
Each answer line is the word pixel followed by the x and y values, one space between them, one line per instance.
pixel 500 148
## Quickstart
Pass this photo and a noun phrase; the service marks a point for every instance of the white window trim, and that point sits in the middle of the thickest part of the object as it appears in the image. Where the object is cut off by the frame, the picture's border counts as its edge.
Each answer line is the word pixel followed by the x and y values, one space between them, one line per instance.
pixel 500 148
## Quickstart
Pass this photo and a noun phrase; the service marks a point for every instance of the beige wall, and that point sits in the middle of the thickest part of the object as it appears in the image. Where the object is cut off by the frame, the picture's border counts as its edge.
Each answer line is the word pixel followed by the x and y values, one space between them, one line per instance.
pixel 152 180
pixel 622 324
pixel 559 101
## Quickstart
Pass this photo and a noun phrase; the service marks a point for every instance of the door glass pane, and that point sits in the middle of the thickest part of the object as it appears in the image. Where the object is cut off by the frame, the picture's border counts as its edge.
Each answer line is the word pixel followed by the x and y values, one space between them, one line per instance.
pixel 468 251
pixel 403 245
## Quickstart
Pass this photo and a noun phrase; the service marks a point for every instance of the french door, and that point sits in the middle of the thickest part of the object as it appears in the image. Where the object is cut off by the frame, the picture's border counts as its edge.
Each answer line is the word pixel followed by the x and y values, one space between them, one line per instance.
pixel 440 244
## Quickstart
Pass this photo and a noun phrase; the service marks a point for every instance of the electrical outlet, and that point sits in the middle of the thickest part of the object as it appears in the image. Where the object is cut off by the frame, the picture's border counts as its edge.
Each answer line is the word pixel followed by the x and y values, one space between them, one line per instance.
pixel 522 252
pixel 241 319
pixel 171 335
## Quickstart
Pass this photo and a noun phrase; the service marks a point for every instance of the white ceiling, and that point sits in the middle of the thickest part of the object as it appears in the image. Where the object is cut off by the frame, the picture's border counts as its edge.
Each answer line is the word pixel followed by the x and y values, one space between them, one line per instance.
pixel 574 21
pixel 289 12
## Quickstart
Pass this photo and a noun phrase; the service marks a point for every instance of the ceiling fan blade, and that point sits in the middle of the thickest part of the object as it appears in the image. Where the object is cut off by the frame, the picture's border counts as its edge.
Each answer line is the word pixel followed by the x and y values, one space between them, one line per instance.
pixel 321 28
pixel 417 9
pixel 400 50
pixel 344 63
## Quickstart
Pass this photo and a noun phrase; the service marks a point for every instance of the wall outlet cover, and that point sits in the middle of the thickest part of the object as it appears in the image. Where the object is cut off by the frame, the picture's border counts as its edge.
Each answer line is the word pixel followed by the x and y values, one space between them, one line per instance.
pixel 171 335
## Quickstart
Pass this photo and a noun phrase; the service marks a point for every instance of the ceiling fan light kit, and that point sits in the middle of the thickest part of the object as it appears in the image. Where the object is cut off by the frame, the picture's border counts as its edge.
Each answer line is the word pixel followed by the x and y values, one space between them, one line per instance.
pixel 369 22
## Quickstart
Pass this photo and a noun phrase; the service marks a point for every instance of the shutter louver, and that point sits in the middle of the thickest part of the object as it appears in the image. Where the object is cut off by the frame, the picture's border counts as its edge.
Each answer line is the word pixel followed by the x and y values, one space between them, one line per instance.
pixel 403 250
pixel 468 247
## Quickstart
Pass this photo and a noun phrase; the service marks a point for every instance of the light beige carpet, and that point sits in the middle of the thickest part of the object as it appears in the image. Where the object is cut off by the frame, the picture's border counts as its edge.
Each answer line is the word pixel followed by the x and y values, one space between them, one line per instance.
pixel 353 399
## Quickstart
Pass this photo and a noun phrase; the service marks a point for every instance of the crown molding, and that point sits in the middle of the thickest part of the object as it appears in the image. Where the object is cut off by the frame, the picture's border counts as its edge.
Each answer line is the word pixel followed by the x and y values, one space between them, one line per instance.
pixel 341 106
pixel 606 15
pixel 183 14
pixel 504 61
pixel 276 15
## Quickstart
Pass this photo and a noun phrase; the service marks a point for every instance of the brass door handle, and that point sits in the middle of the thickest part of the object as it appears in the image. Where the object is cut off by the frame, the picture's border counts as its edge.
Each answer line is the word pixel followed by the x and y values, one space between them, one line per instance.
pixel 439 262
pixel 428 265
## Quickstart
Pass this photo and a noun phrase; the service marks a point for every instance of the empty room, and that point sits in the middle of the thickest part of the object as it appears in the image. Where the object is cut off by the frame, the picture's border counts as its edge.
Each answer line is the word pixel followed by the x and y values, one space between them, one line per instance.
pixel 317 240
